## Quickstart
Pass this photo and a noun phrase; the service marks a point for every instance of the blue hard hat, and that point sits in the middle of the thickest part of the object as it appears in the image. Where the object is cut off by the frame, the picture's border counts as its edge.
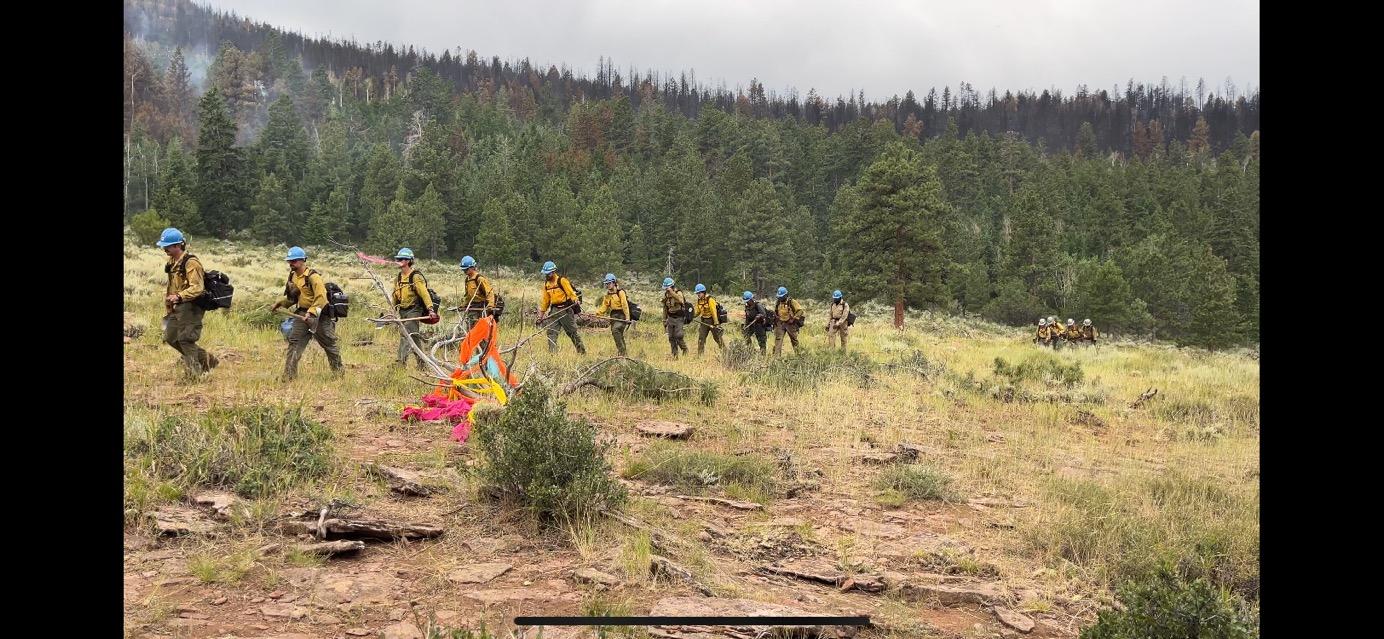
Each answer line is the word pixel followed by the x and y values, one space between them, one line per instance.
pixel 610 277
pixel 747 296
pixel 170 237
pixel 782 292
pixel 701 288
pixel 549 267
pixel 468 262
pixel 287 327
pixel 836 294
pixel 296 253
pixel 667 282
pixel 404 254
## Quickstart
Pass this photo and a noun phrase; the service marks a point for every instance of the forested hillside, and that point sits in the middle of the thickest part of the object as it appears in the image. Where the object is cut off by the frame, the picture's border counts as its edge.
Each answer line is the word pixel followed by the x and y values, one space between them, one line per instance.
pixel 1138 208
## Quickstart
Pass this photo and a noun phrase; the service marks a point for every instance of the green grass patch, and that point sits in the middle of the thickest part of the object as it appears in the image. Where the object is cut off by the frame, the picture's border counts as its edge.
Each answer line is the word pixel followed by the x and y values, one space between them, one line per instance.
pixel 750 477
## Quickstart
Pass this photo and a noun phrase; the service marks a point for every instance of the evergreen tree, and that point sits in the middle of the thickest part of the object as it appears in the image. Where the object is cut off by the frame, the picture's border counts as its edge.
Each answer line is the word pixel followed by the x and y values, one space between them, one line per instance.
pixel 890 247
pixel 283 147
pixel 221 188
pixel 327 219
pixel 495 242
pixel 431 212
pixel 1014 304
pixel 177 183
pixel 381 181
pixel 1031 254
pixel 271 220
pixel 763 245
pixel 636 257
pixel 599 235
pixel 1105 297
pixel 1086 141
pixel 559 236
pixel 1210 298
pixel 394 227
pixel 621 133
pixel 178 89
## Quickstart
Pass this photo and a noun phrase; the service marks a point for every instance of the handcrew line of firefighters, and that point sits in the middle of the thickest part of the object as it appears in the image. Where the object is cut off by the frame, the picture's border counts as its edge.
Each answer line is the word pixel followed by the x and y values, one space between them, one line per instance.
pixel 1052 334
pixel 305 292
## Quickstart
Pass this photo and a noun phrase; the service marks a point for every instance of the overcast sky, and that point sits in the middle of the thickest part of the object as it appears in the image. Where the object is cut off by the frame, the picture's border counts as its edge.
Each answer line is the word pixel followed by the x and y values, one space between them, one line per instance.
pixel 883 47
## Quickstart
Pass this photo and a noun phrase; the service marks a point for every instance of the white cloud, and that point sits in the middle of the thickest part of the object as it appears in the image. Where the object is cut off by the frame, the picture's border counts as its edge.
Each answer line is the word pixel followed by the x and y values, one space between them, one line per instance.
pixel 882 47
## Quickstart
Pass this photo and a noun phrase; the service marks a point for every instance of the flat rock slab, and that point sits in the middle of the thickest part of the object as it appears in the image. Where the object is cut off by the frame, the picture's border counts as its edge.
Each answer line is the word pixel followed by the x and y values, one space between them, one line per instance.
pixel 825 573
pixel 220 503
pixel 161 555
pixel 1014 619
pixel 659 565
pixel 593 576
pixel 182 520
pixel 667 430
pixel 717 607
pixel 477 573
pixel 870 528
pixel 365 588
pixel 402 481
pixel 288 611
pixel 331 548
pixel 300 577
pixel 402 630
pixel 738 505
pixel 502 595
pixel 950 594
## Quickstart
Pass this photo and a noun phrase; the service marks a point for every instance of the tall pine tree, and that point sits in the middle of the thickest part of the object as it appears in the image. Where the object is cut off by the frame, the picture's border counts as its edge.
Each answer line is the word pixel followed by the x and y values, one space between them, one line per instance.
pixel 495 241
pixel 272 222
pixel 890 247
pixel 221 186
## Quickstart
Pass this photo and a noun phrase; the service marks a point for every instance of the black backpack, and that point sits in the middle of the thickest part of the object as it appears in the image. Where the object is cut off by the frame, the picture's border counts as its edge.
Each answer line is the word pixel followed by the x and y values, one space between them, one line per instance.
pixel 850 318
pixel 687 313
pixel 635 311
pixel 218 291
pixel 338 304
pixel 216 287
pixel 337 300
pixel 436 299
pixel 720 314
